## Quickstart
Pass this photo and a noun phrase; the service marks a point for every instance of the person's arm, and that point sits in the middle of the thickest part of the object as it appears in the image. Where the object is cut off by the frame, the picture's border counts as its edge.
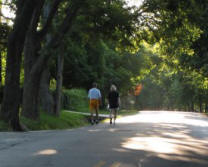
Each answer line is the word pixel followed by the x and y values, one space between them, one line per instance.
pixel 100 98
pixel 119 101
pixel 88 94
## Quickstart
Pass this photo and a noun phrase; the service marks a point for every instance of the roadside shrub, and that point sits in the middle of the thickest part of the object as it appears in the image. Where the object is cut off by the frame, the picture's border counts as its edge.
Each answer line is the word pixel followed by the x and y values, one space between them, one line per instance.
pixel 75 99
pixel 46 121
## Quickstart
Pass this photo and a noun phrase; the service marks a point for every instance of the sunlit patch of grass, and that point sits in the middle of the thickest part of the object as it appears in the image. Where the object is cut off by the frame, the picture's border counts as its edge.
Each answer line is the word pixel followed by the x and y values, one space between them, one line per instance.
pixel 128 112
pixel 49 122
pixel 120 112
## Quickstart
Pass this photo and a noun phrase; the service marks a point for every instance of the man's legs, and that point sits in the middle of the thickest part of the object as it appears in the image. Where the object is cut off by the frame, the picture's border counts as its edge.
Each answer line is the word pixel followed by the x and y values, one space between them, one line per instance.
pixel 91 111
pixel 94 106
pixel 97 111
pixel 91 115
pixel 97 116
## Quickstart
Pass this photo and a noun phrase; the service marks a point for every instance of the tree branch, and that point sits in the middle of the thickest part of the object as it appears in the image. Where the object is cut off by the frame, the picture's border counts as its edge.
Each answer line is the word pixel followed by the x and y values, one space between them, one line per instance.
pixel 66 25
pixel 58 36
pixel 36 15
pixel 50 18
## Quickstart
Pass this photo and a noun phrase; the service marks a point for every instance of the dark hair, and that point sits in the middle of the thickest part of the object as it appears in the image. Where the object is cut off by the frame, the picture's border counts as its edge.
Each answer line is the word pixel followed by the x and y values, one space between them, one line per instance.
pixel 94 84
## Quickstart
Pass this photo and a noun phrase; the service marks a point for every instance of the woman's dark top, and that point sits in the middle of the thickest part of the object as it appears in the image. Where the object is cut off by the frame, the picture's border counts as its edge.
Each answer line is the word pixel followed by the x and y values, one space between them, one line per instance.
pixel 113 97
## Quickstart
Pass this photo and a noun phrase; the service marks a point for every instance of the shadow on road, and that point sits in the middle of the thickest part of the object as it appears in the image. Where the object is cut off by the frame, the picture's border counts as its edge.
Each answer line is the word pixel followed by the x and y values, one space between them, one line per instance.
pixel 159 139
pixel 149 139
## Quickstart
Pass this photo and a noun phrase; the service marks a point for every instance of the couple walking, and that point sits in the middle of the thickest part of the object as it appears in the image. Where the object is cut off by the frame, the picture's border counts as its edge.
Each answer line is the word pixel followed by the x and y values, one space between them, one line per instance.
pixel 94 96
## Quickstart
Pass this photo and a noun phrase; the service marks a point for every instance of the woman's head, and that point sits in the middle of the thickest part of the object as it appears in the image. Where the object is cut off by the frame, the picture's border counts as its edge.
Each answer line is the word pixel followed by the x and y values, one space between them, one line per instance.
pixel 113 88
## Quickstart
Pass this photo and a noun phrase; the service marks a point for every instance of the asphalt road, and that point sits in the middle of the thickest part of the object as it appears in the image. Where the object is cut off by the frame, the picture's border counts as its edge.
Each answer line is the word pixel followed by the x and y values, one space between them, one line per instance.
pixel 148 139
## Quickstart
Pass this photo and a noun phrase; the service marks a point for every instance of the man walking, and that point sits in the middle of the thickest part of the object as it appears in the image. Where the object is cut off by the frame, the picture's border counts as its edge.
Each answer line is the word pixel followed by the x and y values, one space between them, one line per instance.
pixel 94 96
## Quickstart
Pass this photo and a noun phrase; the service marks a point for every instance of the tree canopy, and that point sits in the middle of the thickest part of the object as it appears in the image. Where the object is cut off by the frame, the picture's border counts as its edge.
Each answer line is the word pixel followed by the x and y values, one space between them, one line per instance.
pixel 160 46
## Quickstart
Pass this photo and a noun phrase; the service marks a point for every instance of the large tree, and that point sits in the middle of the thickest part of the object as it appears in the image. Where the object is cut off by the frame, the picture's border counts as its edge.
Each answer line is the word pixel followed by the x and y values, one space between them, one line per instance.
pixel 40 35
pixel 97 15
pixel 10 104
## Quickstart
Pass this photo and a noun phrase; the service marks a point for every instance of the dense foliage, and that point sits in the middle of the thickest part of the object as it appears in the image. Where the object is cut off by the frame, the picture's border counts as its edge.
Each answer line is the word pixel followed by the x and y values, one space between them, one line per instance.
pixel 161 46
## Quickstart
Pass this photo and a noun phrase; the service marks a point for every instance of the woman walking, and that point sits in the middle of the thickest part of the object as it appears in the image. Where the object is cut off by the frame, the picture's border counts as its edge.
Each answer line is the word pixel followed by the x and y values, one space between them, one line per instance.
pixel 114 103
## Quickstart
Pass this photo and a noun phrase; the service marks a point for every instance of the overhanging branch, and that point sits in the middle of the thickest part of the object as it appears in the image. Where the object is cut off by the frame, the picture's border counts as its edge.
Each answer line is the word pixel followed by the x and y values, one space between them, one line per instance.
pixel 51 15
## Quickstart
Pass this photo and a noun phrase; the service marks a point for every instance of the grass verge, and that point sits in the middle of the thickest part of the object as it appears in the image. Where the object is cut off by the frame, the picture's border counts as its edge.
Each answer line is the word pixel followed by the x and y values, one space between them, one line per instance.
pixel 49 122
pixel 127 112
pixel 64 121
pixel 4 126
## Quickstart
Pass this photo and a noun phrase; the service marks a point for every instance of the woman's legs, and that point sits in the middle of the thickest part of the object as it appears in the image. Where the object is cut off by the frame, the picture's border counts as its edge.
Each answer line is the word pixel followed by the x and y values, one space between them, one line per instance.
pixel 115 114
pixel 111 111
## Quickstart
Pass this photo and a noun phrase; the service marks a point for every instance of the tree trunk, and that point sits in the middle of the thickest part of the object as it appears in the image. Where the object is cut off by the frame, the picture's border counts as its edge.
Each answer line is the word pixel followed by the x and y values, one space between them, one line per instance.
pixel 10 104
pixel 46 98
pixel 206 107
pixel 192 106
pixel 30 100
pixel 60 64
pixel 11 99
pixel 32 85
pixel 0 68
pixel 30 107
pixel 200 107
pixel 200 104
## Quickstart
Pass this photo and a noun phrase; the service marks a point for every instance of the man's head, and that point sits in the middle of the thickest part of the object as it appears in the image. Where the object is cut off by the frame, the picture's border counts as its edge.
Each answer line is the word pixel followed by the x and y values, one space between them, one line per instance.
pixel 94 85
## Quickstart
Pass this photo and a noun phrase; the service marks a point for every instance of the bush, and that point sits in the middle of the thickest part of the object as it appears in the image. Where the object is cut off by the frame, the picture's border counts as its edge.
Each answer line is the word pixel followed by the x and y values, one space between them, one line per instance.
pixel 4 126
pixel 75 99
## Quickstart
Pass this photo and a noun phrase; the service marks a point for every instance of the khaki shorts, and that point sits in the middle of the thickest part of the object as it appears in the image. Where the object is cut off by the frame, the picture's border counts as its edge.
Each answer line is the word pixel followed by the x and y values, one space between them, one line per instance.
pixel 94 104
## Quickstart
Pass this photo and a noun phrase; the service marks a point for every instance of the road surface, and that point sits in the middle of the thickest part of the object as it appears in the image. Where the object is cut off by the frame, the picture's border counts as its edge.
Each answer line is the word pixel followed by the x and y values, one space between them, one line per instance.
pixel 148 139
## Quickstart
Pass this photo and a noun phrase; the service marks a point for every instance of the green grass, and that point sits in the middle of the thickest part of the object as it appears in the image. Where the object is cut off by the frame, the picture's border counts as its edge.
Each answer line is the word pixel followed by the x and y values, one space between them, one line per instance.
pixel 49 122
pixel 4 126
pixel 127 112
pixel 120 112
pixel 64 121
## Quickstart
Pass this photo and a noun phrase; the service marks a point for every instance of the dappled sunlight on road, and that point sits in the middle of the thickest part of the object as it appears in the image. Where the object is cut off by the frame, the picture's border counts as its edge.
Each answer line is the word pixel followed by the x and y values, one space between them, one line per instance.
pixel 170 138
pixel 163 117
pixel 170 148
pixel 46 152
pixel 147 139
pixel 153 144
pixel 114 164
pixel 167 145
pixel 94 130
